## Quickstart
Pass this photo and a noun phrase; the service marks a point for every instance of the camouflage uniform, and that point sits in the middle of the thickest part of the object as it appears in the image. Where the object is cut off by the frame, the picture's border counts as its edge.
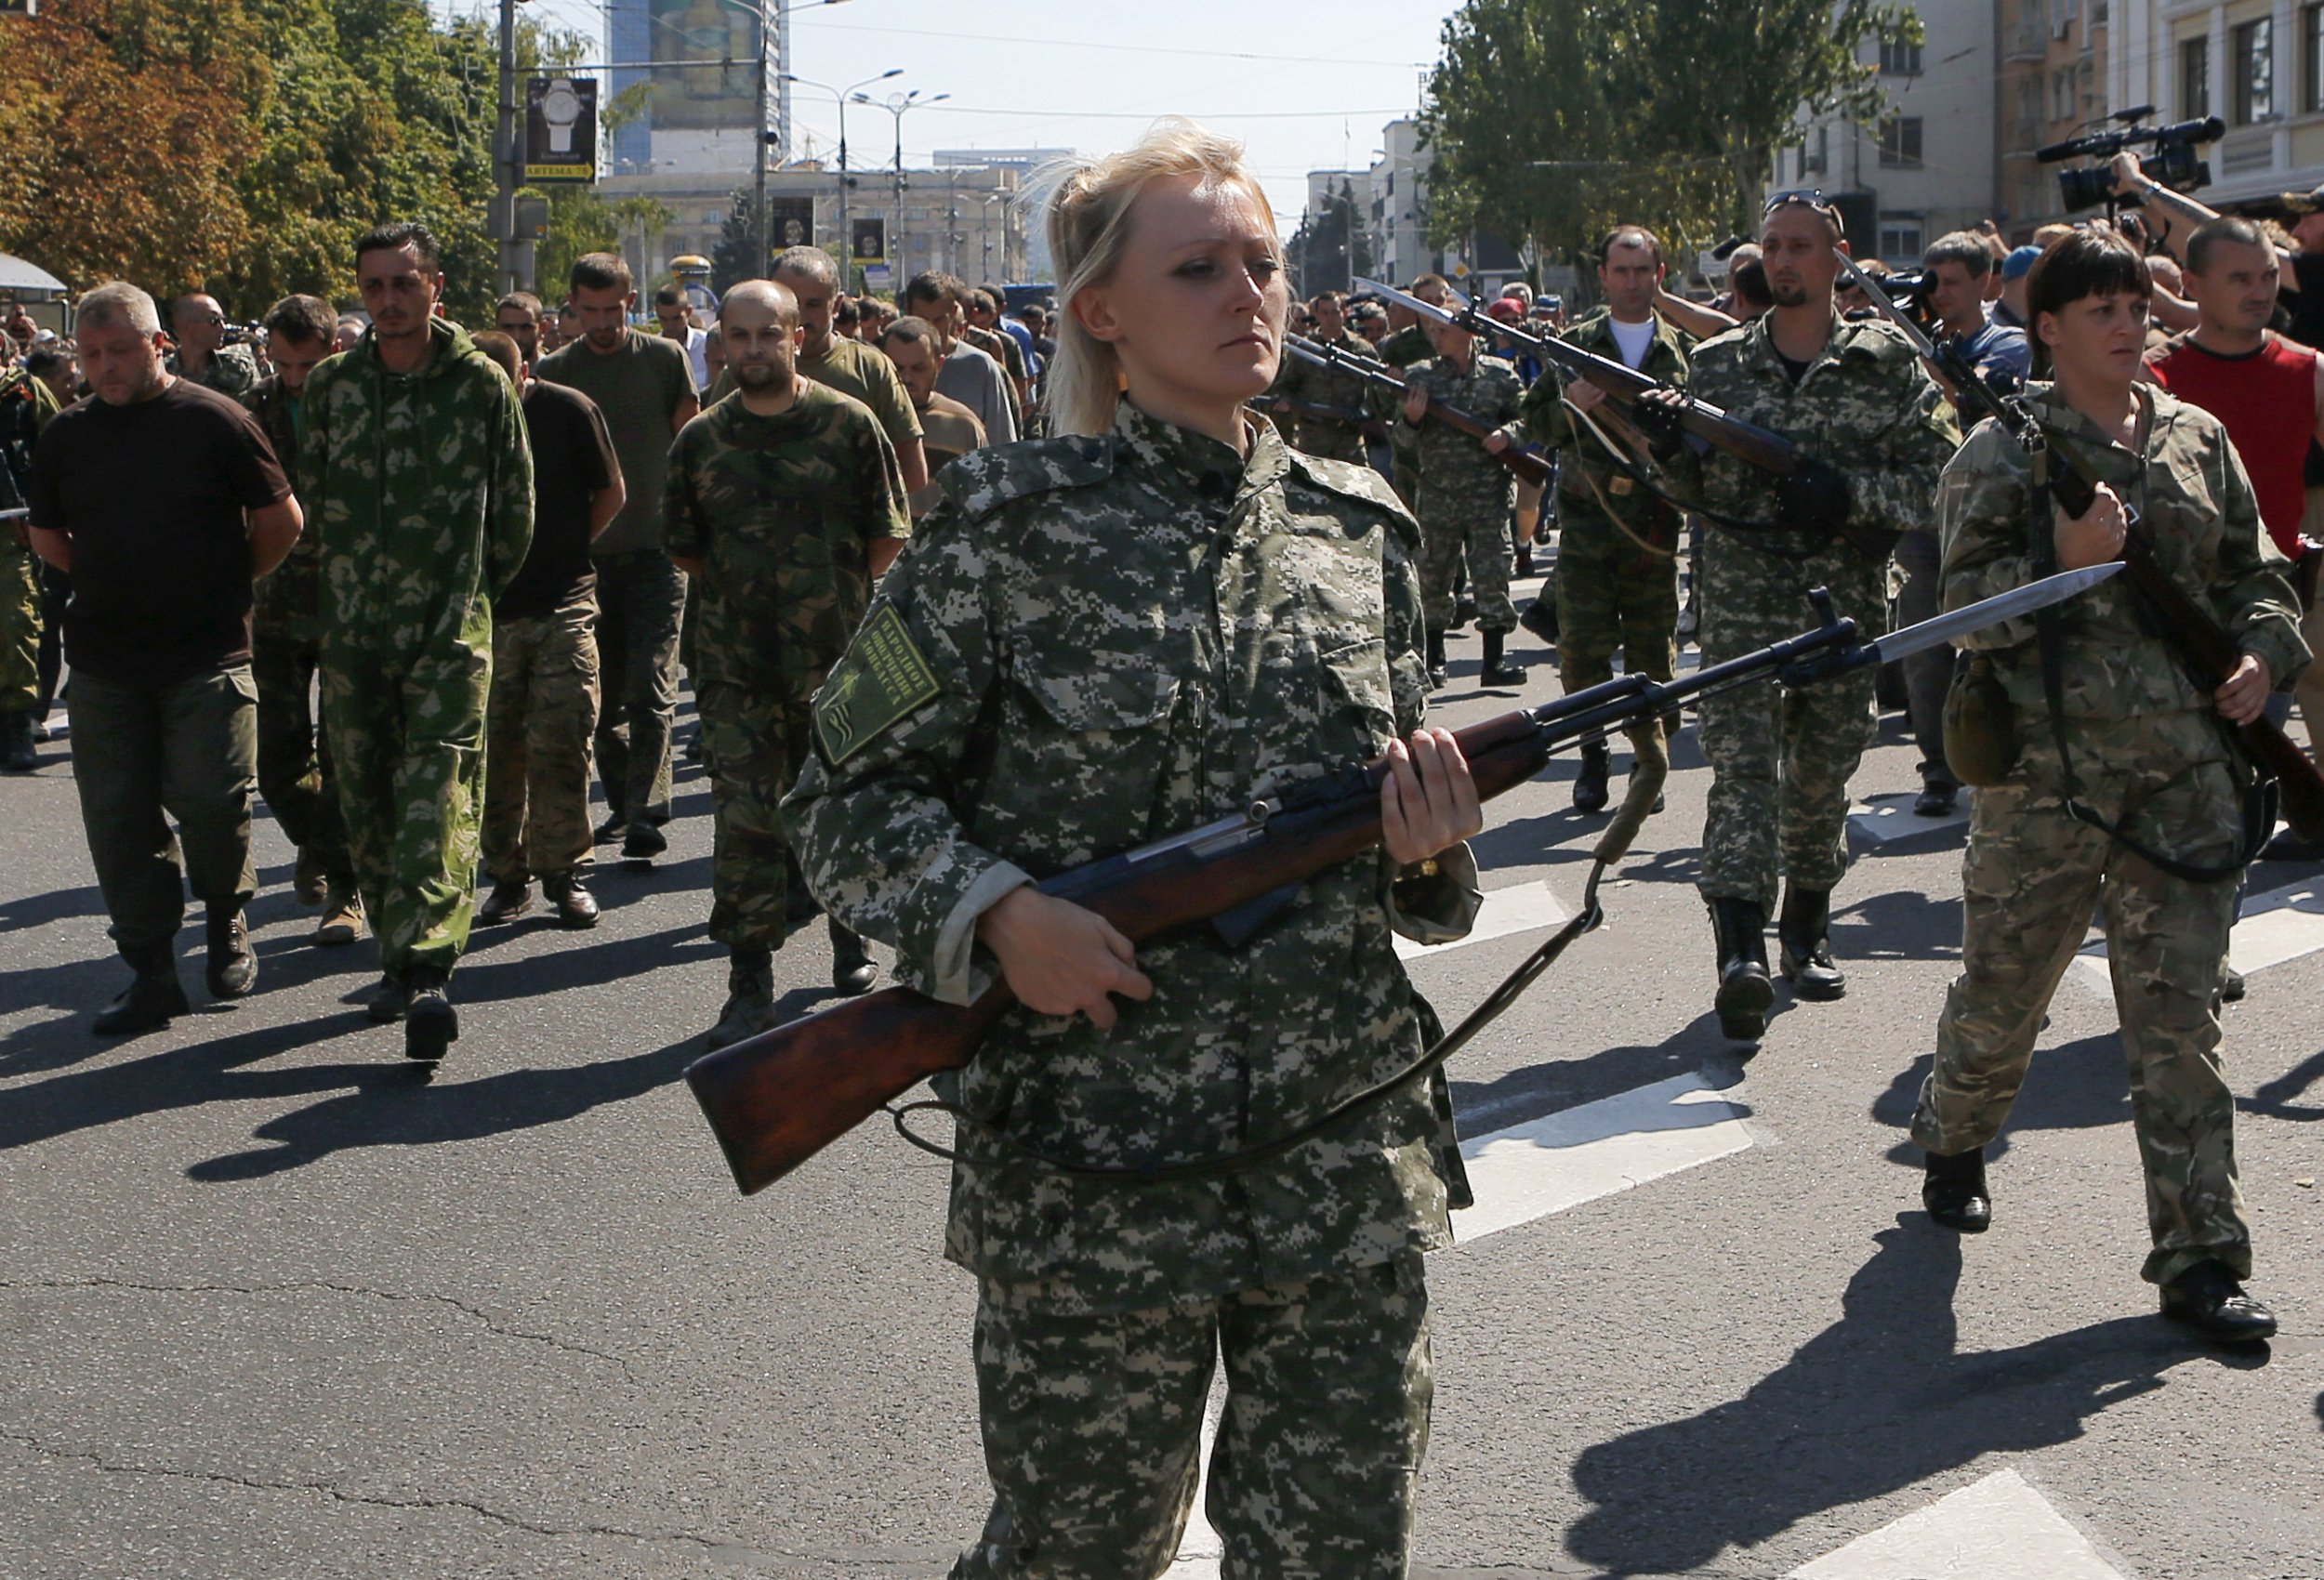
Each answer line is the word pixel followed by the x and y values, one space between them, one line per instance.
pixel 1780 760
pixel 783 511
pixel 1465 495
pixel 420 491
pixel 1617 584
pixel 1304 382
pixel 1096 642
pixel 2149 752
pixel 1402 350
pixel 233 372
pixel 26 404
pixel 286 652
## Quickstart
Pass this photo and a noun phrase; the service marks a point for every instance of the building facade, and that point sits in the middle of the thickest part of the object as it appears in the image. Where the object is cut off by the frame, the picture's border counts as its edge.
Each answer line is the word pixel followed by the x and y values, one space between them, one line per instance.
pixel 2256 64
pixel 1927 165
pixel 2059 77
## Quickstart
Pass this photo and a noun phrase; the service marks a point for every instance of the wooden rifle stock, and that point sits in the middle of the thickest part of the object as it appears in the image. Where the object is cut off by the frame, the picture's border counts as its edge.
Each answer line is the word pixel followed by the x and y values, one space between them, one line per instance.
pixel 776 1100
pixel 1527 463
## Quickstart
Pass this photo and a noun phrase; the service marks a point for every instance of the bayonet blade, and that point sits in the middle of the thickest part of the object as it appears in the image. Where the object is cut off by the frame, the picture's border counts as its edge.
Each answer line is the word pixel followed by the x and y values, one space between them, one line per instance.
pixel 1884 305
pixel 1992 611
pixel 1406 299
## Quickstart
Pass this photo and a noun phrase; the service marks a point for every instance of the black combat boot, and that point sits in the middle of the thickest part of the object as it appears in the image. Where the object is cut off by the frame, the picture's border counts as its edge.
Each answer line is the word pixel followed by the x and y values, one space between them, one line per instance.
pixel 16 741
pixel 2208 1298
pixel 149 1000
pixel 852 968
pixel 750 996
pixel 1590 791
pixel 1499 671
pixel 431 1025
pixel 1745 990
pixel 233 970
pixel 1953 1188
pixel 1806 955
pixel 1437 673
pixel 384 1007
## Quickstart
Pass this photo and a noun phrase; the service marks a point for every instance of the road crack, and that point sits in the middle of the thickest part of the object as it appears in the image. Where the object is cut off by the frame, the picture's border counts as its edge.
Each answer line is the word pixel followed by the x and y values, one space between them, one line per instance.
pixel 474 1314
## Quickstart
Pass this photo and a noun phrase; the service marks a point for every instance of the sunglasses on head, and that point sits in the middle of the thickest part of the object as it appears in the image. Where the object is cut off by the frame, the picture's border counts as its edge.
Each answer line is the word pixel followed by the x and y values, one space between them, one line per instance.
pixel 1806 197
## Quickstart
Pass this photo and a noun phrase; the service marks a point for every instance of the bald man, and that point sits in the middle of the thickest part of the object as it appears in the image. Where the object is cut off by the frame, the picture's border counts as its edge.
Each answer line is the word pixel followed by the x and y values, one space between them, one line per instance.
pixel 785 505
pixel 198 325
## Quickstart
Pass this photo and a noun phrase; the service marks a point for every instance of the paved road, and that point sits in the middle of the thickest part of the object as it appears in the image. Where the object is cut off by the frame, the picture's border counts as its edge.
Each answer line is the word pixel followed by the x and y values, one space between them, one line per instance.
pixel 270 1307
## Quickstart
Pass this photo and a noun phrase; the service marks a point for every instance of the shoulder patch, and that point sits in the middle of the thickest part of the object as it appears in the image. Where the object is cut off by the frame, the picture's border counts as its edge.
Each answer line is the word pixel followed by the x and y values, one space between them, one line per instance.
pixel 1878 341
pixel 882 677
pixel 1347 479
pixel 984 481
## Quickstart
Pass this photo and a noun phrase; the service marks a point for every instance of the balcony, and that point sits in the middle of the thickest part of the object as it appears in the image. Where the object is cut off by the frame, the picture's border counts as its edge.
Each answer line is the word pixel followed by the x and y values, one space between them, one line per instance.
pixel 2024 42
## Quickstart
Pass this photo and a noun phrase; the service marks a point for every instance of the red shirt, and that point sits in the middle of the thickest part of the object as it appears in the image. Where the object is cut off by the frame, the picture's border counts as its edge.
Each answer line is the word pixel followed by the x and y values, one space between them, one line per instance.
pixel 2266 398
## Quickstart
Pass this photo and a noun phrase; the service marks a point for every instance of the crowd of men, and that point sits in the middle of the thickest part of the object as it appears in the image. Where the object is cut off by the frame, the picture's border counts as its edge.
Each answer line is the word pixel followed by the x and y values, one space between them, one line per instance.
pixel 488 557
pixel 492 554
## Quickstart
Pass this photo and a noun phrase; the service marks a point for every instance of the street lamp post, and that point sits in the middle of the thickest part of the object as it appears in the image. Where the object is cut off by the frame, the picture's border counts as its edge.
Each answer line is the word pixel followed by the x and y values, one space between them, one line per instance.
pixel 847 231
pixel 778 16
pixel 897 105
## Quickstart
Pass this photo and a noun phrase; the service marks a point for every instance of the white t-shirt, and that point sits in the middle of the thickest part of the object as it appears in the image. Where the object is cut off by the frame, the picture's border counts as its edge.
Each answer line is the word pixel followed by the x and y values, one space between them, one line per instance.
pixel 1634 339
pixel 698 353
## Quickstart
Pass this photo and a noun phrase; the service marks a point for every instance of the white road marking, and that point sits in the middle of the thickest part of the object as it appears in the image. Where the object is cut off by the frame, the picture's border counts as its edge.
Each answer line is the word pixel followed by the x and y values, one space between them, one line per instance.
pixel 1883 819
pixel 1522 907
pixel 2281 925
pixel 1997 1529
pixel 1200 1549
pixel 1562 1160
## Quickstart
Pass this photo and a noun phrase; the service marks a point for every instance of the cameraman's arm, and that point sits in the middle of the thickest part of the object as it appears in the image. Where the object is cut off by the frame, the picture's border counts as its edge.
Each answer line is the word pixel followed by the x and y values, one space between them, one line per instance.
pixel 2172 214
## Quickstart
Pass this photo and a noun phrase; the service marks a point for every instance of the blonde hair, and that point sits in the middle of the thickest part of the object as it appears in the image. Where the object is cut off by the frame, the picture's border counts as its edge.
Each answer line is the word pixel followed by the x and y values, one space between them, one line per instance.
pixel 1086 206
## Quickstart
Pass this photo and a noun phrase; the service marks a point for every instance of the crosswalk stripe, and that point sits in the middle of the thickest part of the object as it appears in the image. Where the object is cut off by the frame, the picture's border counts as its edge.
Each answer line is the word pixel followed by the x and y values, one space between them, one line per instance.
pixel 2281 925
pixel 1578 1154
pixel 1523 907
pixel 1995 1529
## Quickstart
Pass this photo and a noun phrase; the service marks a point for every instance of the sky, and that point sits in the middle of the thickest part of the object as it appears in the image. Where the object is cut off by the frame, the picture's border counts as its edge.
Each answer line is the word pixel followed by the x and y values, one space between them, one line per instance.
pixel 1307 85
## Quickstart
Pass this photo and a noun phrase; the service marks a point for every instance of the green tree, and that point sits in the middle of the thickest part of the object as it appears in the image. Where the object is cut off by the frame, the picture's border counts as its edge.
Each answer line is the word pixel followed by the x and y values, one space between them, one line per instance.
pixel 732 259
pixel 1332 244
pixel 1552 120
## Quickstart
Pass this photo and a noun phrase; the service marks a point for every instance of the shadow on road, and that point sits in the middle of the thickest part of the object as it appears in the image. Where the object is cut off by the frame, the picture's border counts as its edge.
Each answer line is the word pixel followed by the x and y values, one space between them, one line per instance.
pixel 1879 1402
pixel 2078 1085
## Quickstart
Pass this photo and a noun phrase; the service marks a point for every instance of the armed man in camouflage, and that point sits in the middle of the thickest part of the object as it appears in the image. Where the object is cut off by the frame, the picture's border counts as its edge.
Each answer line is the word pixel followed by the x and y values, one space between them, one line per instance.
pixel 786 504
pixel 26 404
pixel 1101 638
pixel 1852 394
pixel 415 464
pixel 2136 743
pixel 286 646
pixel 1302 383
pixel 1617 584
pixel 1464 496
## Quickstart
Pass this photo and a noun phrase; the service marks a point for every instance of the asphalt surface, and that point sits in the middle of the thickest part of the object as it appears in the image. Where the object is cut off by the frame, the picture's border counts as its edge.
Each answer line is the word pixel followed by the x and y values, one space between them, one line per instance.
pixel 271 1306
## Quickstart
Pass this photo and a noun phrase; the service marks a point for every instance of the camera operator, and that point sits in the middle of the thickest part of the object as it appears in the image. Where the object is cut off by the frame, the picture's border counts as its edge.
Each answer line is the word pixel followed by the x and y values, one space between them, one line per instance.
pixel 2172 217
pixel 1956 267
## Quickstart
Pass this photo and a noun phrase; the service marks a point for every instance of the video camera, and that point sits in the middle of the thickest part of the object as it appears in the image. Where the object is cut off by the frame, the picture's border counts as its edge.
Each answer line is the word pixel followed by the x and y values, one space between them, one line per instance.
pixel 2173 162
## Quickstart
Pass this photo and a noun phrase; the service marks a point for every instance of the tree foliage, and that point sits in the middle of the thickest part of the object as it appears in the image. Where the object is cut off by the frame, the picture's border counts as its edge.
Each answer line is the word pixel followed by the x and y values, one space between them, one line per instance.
pixel 242 146
pixel 1552 119
pixel 1332 245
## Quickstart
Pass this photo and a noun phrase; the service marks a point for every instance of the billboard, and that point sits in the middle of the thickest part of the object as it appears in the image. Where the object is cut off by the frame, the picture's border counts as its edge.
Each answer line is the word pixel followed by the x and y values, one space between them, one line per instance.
pixel 560 129
pixel 790 222
pixel 870 240
pixel 711 80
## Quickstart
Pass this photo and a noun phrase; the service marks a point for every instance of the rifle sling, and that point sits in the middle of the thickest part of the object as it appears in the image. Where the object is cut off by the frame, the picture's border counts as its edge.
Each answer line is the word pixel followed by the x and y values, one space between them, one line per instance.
pixel 1227 1164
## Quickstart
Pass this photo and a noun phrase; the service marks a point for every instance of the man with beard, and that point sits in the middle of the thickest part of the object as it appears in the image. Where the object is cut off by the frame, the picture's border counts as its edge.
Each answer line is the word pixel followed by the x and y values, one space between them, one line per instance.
pixel 785 506
pixel 1780 759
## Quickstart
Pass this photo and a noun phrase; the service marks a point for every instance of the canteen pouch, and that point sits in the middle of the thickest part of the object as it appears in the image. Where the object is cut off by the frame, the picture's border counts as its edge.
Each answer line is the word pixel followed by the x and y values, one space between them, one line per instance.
pixel 1981 742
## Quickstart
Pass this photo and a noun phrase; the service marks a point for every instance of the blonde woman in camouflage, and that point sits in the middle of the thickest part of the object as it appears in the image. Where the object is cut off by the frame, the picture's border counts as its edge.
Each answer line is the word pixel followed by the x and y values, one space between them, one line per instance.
pixel 1099 640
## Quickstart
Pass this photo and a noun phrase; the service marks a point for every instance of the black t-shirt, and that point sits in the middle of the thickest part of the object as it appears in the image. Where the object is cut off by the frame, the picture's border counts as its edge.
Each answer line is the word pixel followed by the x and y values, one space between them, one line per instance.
pixel 153 496
pixel 573 457
pixel 2303 322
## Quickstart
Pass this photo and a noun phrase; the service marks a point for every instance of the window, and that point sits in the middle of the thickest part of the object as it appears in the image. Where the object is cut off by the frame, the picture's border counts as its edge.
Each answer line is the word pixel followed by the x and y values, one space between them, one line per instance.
pixel 2062 96
pixel 1900 237
pixel 1899 58
pixel 2312 58
pixel 2195 76
pixel 2251 46
pixel 1900 142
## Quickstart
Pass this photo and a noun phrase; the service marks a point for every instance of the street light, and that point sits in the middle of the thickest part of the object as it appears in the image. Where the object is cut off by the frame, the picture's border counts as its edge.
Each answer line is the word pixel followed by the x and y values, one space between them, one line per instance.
pixel 759 161
pixel 847 233
pixel 897 105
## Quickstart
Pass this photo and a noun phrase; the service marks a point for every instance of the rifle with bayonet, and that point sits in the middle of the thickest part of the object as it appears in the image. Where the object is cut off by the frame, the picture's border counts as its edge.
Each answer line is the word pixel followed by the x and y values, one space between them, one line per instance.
pixel 2206 646
pixel 1748 442
pixel 1527 463
pixel 777 1099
